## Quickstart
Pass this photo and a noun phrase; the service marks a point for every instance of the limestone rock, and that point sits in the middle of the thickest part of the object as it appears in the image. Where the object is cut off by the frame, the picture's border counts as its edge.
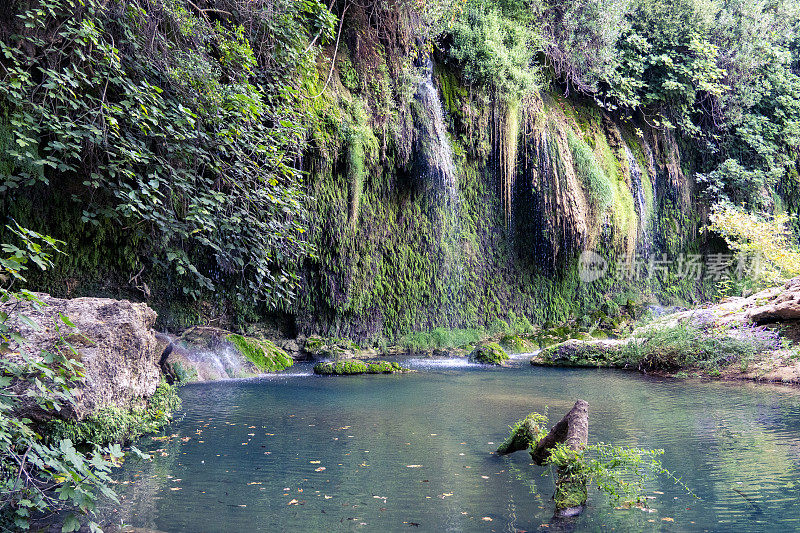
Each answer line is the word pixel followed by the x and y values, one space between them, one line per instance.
pixel 114 340
pixel 783 306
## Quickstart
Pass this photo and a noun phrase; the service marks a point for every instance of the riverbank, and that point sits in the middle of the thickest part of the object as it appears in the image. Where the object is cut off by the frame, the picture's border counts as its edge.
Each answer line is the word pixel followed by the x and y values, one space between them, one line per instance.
pixel 741 338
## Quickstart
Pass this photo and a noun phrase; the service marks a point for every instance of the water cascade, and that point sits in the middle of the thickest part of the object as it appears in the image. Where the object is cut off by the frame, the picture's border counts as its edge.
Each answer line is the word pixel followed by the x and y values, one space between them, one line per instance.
pixel 438 172
pixel 639 198
pixel 436 154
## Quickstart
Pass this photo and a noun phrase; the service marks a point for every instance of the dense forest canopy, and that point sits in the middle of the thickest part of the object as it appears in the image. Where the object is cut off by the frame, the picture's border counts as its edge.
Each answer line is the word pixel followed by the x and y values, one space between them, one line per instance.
pixel 181 132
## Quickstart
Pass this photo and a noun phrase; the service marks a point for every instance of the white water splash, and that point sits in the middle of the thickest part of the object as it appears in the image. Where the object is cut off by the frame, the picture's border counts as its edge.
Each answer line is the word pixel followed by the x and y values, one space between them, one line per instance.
pixel 437 151
pixel 444 363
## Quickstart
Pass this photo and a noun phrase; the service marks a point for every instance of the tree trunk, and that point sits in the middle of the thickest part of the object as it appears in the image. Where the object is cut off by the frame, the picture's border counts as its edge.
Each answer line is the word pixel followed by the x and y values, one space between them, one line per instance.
pixel 572 430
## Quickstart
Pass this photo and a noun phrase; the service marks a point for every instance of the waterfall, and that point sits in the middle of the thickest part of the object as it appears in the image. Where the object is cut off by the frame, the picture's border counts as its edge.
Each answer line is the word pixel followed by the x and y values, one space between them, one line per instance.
pixel 435 158
pixel 638 196
pixel 437 154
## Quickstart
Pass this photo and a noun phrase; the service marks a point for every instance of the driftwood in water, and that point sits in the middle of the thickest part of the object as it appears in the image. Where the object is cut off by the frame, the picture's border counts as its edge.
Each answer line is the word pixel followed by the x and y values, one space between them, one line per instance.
pixel 573 430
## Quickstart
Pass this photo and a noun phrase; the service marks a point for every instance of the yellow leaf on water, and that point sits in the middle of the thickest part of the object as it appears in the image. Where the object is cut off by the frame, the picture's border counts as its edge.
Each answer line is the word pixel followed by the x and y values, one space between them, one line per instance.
pixel 319 469
pixel 315 462
pixel 667 519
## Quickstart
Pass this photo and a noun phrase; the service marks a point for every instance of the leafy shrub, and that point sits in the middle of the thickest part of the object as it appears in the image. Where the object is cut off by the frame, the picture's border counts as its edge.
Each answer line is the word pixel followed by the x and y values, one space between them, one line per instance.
pixel 161 121
pixel 495 51
pixel 37 476
pixel 764 238
pixel 118 425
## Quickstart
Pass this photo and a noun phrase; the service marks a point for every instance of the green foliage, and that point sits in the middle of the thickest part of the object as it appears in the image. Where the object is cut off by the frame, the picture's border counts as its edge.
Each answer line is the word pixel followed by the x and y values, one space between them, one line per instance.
pixel 763 238
pixel 118 425
pixel 489 353
pixel 495 51
pixel 186 137
pixel 694 346
pixel 263 353
pixel 618 471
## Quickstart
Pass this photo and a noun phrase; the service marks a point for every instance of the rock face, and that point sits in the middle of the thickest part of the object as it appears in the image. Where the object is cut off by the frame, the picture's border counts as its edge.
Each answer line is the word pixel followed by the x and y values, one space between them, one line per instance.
pixel 114 340
pixel 784 306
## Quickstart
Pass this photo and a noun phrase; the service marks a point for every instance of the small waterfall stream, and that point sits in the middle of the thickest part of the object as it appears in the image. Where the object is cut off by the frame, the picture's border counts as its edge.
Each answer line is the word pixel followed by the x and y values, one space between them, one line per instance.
pixel 439 174
pixel 641 205
pixel 437 152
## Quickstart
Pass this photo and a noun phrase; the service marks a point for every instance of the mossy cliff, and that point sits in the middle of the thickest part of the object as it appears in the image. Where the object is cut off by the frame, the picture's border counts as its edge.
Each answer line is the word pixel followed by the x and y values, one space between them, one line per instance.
pixel 433 203
pixel 403 246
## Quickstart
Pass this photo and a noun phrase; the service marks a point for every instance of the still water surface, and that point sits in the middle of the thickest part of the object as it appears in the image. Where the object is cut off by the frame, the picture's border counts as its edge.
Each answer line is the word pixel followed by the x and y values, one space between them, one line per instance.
pixel 413 452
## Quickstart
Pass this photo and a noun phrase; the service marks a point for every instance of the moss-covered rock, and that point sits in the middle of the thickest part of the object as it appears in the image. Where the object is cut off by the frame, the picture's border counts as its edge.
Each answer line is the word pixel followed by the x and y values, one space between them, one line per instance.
pixel 262 353
pixel 352 367
pixel 594 353
pixel 489 353
pixel 524 434
pixel 331 348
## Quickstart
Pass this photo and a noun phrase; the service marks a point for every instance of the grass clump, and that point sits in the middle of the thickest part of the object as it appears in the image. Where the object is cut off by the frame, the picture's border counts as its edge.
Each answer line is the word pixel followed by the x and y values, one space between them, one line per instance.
pixel 262 353
pixel 116 424
pixel 490 353
pixel 692 345
pixel 441 339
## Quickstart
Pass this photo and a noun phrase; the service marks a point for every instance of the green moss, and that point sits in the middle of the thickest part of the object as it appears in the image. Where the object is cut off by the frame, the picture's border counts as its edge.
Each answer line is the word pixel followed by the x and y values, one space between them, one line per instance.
pixel 264 354
pixel 570 493
pixel 352 367
pixel 115 424
pixel 590 173
pixel 490 353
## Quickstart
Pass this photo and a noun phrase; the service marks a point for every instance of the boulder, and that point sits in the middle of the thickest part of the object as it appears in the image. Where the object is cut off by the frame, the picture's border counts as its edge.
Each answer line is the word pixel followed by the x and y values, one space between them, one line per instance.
pixel 114 341
pixel 594 353
pixel 782 307
pixel 490 353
